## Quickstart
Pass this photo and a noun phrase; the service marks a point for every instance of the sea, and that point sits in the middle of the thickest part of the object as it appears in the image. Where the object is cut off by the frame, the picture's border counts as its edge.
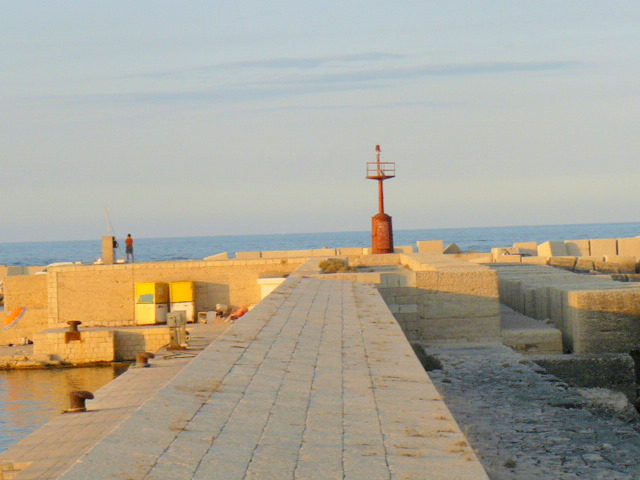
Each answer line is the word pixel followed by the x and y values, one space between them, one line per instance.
pixel 28 399
pixel 480 239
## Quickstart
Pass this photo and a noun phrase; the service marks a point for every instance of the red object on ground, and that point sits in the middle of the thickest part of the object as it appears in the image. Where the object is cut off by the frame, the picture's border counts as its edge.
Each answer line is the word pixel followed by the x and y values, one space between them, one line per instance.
pixel 238 313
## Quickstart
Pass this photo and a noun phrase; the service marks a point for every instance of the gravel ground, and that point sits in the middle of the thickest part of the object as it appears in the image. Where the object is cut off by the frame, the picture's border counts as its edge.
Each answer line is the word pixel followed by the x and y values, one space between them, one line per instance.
pixel 526 424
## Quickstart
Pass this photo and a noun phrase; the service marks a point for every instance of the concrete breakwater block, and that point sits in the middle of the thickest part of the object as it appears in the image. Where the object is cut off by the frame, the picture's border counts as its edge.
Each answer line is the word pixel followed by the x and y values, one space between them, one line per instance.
pixel 604 320
pixel 625 263
pixel 614 371
pixel 452 248
pixel 430 246
pixel 629 246
pixel 527 248
pixel 604 246
pixel 565 262
pixel 586 264
pixel 552 249
pixel 578 248
pixel 528 335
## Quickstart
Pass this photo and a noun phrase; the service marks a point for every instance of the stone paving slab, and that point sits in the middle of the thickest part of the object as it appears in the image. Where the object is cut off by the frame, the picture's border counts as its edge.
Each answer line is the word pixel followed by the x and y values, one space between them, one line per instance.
pixel 318 381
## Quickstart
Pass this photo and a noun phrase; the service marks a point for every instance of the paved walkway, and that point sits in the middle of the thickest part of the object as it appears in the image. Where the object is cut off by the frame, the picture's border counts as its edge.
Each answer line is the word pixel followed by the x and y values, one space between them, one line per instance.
pixel 528 425
pixel 316 382
pixel 54 448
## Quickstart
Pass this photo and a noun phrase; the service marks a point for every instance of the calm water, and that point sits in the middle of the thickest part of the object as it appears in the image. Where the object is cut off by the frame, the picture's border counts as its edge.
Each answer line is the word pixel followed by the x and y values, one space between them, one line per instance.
pixel 191 248
pixel 29 398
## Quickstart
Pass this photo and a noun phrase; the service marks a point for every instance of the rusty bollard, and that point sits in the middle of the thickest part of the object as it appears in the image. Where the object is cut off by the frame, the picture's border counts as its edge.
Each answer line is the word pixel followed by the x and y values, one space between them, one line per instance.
pixel 142 359
pixel 77 399
pixel 73 325
pixel 73 333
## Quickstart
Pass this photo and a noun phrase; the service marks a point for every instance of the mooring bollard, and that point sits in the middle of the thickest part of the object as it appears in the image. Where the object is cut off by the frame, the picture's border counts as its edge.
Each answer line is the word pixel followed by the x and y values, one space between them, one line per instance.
pixel 142 359
pixel 73 325
pixel 73 333
pixel 77 399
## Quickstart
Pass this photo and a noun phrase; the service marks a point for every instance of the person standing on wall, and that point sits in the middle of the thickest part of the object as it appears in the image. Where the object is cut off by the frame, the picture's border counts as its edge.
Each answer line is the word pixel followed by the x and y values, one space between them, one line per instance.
pixel 129 249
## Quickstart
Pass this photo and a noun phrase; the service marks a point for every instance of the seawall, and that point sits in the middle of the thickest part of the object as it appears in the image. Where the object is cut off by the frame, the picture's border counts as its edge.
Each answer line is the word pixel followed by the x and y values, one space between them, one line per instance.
pixel 317 381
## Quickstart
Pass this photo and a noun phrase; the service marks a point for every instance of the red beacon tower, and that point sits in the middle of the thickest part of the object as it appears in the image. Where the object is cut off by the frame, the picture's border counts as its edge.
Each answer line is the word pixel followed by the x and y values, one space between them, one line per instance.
pixel 382 231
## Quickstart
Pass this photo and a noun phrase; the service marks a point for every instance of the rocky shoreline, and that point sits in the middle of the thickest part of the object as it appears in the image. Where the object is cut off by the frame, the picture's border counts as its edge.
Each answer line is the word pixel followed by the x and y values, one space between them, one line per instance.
pixel 527 424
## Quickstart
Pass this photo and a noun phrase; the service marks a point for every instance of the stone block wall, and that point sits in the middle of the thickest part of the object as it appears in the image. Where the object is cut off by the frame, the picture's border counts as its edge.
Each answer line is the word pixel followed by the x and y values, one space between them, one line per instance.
pixel 612 371
pixel 350 251
pixel 604 246
pixel 104 295
pixel 430 246
pixel 403 303
pixel 607 255
pixel 25 291
pixel 434 297
pixel 531 341
pixel 629 246
pixel 377 260
pixel 218 256
pixel 594 313
pixel 475 257
pixel 94 346
pixel 319 252
pixel 624 263
pixel 11 270
pixel 604 320
pixel 131 341
pixel 248 255
pixel 552 249
pixel 578 248
pixel 535 260
pixel 528 248
pixel 98 345
pixel 33 320
pixel 456 300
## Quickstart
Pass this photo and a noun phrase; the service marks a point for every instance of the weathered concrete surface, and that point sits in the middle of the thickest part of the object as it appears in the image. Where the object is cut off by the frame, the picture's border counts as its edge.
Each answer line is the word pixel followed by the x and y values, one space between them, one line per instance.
pixel 25 291
pixel 435 297
pixel 460 300
pixel 629 246
pixel 603 246
pixel 528 335
pixel 318 381
pixel 527 425
pixel 527 248
pixel 594 313
pixel 578 248
pixel 104 295
pixel 552 249
pixel 430 246
pixel 611 371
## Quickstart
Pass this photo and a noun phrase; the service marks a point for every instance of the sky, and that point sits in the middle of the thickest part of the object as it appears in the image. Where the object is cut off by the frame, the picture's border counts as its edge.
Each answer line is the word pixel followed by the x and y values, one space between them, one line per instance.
pixel 189 118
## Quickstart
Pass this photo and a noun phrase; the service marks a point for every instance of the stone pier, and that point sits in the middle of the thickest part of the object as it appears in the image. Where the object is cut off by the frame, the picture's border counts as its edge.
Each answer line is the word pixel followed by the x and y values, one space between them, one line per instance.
pixel 318 381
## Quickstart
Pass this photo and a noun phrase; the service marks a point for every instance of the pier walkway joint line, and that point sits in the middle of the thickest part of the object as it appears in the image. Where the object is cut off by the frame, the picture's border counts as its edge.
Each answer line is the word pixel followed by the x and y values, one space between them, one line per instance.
pixel 318 381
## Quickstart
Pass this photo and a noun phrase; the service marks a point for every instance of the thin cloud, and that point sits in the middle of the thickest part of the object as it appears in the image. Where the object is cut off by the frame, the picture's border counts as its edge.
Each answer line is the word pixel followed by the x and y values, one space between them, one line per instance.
pixel 276 64
pixel 453 70
pixel 313 82
pixel 314 62
pixel 378 106
pixel 204 96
